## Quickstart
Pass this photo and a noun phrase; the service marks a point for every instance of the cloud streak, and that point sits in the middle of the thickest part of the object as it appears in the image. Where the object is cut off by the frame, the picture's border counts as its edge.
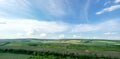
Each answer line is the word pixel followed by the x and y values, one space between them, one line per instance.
pixel 86 10
pixel 52 7
pixel 15 8
pixel 109 9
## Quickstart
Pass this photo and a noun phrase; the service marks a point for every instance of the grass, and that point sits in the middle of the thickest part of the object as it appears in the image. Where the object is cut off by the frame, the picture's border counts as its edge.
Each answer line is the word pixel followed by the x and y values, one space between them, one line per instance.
pixel 13 56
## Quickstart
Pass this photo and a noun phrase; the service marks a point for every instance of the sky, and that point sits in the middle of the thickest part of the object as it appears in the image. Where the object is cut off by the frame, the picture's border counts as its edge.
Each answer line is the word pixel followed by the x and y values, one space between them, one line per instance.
pixel 58 19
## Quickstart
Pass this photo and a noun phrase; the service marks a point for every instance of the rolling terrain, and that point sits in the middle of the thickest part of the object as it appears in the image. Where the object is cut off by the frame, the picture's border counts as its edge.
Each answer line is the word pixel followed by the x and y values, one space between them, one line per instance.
pixel 60 48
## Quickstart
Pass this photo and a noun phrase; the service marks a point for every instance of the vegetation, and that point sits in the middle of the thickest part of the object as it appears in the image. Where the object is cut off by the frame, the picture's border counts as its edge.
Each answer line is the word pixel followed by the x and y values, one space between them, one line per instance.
pixel 52 55
pixel 13 56
pixel 62 49
pixel 71 57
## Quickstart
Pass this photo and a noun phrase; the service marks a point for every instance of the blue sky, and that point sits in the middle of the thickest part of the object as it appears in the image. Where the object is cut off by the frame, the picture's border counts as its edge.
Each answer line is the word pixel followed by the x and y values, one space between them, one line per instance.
pixel 60 19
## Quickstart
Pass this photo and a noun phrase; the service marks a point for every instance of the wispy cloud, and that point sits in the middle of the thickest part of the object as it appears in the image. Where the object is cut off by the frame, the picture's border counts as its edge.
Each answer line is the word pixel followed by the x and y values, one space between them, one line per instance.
pixel 109 9
pixel 13 8
pixel 52 7
pixel 86 10
pixel 83 11
pixel 56 7
pixel 117 1
pixel 106 3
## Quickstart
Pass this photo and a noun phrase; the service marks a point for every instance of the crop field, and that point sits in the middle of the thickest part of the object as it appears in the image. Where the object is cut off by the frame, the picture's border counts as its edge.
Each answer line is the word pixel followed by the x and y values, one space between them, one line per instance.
pixel 59 49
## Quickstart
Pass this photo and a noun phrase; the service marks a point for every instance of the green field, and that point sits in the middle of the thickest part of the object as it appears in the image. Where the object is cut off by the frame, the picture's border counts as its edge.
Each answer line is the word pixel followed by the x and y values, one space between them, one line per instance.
pixel 13 56
pixel 64 48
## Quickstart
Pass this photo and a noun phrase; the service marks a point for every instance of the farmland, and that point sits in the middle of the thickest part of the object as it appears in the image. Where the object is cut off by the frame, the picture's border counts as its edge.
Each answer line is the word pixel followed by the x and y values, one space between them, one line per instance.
pixel 60 48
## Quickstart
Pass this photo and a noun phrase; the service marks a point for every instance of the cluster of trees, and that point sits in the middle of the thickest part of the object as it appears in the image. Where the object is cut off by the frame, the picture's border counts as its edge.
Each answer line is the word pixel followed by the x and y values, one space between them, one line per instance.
pixel 69 56
pixel 53 55
pixel 16 51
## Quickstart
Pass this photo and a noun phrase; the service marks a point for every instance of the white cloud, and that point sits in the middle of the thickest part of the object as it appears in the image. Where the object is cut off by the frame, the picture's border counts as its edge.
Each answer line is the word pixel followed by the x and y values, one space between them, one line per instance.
pixel 84 28
pixel 43 35
pixel 30 27
pixel 29 32
pixel 19 34
pixel 35 28
pixel 61 36
pixel 110 33
pixel 76 36
pixel 109 9
pixel 2 22
pixel 117 1
pixel 108 25
pixel 94 37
